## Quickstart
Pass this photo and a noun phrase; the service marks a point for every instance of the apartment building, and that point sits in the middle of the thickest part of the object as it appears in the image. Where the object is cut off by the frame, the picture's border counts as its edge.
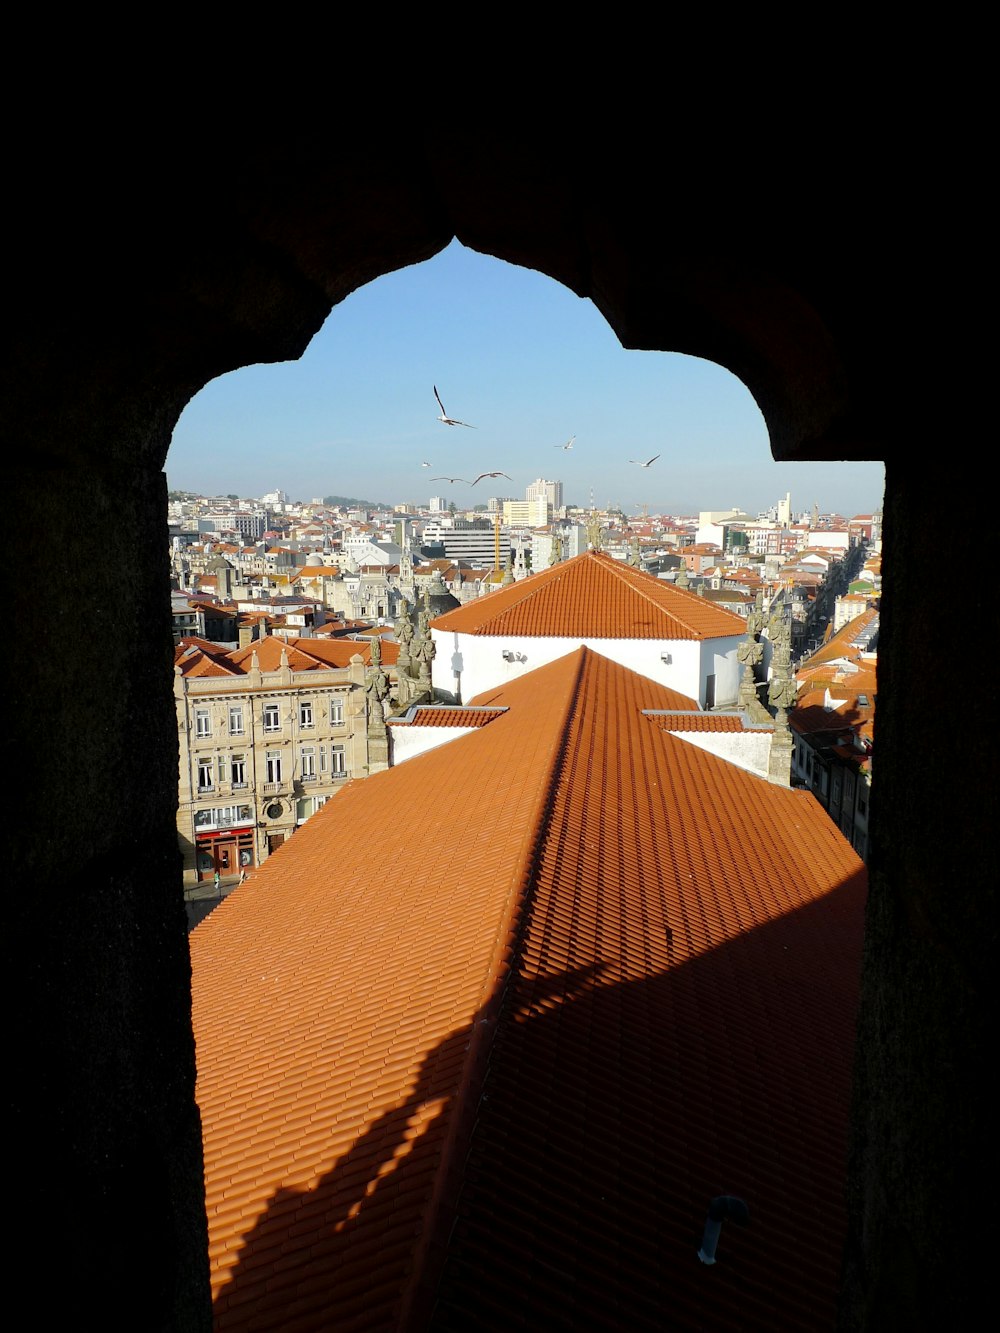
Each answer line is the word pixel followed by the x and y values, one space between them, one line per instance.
pixel 267 734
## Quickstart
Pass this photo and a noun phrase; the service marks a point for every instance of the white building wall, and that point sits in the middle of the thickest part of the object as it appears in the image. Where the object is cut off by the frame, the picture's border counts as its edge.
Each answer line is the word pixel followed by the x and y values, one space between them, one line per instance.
pixel 719 659
pixel 749 750
pixel 466 665
pixel 408 742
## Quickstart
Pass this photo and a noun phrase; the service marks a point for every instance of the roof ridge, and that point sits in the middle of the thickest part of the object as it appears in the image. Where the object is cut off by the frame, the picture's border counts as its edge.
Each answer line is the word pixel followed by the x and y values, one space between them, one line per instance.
pixel 619 568
pixel 504 965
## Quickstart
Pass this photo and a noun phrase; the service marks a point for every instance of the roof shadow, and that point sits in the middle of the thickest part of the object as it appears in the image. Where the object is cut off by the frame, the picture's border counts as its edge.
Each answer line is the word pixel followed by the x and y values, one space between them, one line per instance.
pixel 566 1183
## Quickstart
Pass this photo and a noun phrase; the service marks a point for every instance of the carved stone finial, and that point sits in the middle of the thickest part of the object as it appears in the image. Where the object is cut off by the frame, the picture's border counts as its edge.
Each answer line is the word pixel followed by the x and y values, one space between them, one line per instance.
pixel 751 653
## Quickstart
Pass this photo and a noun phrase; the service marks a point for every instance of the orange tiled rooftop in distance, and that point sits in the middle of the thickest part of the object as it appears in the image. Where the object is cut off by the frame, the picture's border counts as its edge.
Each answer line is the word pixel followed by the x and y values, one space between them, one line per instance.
pixel 492 1058
pixel 578 599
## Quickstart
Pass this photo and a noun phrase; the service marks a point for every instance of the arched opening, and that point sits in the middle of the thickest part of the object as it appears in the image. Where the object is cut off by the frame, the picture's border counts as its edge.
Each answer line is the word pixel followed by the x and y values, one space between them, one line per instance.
pixel 532 366
pixel 227 268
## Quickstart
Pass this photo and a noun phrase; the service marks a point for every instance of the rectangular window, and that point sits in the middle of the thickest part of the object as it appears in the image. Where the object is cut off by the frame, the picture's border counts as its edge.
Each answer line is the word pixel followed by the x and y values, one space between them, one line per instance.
pixel 221 767
pixel 336 712
pixel 272 719
pixel 236 719
pixel 338 761
pixel 307 761
pixel 305 713
pixel 238 769
pixel 202 722
pixel 205 767
pixel 273 766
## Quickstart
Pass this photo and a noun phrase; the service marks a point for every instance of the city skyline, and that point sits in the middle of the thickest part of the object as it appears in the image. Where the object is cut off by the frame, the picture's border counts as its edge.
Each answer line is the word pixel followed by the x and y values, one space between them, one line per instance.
pixel 528 366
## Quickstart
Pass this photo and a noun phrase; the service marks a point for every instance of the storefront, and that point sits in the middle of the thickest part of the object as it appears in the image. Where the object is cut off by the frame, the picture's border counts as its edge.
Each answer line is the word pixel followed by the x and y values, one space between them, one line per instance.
pixel 228 851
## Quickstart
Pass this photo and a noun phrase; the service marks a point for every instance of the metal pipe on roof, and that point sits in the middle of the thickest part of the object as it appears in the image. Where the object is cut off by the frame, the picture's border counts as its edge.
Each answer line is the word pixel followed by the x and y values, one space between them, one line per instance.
pixel 722 1207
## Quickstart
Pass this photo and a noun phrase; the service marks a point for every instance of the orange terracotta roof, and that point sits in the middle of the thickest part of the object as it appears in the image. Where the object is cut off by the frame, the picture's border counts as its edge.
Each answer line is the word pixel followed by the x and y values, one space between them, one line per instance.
pixel 844 642
pixel 195 658
pixel 338 652
pixel 593 596
pixel 451 717
pixel 487 1066
pixel 269 652
pixel 704 722
pixel 190 641
pixel 309 654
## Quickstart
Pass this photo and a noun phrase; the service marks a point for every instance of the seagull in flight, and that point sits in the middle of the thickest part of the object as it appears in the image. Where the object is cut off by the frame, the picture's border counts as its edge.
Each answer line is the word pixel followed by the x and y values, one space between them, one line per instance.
pixel 448 421
pixel 568 445
pixel 425 464
pixel 491 474
pixel 454 479
pixel 638 464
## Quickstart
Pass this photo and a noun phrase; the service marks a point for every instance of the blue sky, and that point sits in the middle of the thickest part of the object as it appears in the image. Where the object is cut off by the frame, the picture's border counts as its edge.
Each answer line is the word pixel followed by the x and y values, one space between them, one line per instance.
pixel 528 364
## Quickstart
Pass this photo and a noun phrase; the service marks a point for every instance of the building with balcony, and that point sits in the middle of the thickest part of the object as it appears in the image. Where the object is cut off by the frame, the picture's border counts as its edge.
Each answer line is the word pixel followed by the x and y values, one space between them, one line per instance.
pixel 267 734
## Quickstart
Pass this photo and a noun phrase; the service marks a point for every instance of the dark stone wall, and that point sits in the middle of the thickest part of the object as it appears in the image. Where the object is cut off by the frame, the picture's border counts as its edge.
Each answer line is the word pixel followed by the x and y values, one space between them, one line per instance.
pixel 921 1125
pixel 136 278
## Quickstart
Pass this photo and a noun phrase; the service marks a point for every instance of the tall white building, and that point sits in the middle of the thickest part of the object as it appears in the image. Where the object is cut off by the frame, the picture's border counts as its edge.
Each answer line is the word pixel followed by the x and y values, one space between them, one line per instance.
pixel 552 491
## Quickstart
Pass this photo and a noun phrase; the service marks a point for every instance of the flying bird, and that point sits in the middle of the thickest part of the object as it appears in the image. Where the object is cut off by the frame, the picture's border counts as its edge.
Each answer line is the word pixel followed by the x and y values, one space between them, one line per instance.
pixel 454 479
pixel 638 464
pixel 449 421
pixel 425 464
pixel 567 445
pixel 491 474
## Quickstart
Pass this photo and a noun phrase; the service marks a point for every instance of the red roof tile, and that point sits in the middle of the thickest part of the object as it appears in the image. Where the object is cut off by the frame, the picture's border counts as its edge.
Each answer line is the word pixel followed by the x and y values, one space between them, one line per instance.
pixel 451 717
pixel 487 1066
pixel 593 596
pixel 703 722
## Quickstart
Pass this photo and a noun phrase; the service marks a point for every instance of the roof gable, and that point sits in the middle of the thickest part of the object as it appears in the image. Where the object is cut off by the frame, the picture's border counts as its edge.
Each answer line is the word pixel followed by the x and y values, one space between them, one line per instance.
pixel 593 596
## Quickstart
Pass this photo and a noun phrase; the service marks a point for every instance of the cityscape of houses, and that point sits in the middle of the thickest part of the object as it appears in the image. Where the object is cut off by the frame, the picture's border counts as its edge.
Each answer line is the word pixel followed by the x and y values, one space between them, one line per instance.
pixel 287 616
pixel 564 815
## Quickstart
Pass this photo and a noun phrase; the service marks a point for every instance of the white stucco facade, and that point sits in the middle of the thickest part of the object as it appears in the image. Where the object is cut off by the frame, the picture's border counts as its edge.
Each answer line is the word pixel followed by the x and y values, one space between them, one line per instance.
pixel 408 742
pixel 466 665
